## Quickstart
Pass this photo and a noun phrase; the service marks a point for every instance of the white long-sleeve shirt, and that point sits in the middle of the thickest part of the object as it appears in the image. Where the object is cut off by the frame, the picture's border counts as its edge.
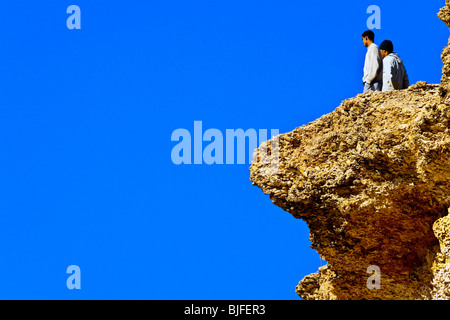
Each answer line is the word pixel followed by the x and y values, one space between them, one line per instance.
pixel 373 66
pixel 395 76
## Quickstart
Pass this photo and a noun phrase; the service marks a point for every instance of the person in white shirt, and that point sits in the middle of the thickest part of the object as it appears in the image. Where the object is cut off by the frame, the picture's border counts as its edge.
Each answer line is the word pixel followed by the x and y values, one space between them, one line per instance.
pixel 373 66
pixel 395 76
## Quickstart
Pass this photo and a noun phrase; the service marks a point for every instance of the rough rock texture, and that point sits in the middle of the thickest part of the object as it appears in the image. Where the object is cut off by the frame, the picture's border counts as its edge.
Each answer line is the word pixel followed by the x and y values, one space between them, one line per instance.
pixel 372 180
pixel 440 286
pixel 444 15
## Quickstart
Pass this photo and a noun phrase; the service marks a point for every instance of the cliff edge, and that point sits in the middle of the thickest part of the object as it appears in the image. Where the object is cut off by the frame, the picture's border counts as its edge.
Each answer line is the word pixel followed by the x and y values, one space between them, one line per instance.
pixel 372 181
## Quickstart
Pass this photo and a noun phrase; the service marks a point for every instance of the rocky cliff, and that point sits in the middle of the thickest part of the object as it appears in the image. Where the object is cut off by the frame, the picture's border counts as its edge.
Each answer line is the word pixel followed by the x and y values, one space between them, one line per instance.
pixel 372 181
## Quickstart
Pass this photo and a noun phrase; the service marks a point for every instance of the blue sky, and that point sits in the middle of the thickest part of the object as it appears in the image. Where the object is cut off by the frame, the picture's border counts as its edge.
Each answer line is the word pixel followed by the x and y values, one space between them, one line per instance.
pixel 86 118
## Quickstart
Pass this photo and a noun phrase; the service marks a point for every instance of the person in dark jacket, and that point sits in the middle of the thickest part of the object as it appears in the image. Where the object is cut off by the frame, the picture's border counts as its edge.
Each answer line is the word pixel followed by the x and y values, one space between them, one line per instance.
pixel 395 76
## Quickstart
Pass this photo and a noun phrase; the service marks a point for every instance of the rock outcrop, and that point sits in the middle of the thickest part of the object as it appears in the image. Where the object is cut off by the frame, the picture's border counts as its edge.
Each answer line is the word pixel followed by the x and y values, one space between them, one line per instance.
pixel 372 181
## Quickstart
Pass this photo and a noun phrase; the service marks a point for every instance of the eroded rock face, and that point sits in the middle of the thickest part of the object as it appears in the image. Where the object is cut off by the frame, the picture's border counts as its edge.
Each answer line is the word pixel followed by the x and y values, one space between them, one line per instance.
pixel 440 286
pixel 444 15
pixel 370 179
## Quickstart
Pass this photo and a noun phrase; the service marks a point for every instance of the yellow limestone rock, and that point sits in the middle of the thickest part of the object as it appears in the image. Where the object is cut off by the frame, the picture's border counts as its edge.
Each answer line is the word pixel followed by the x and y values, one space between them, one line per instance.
pixel 371 179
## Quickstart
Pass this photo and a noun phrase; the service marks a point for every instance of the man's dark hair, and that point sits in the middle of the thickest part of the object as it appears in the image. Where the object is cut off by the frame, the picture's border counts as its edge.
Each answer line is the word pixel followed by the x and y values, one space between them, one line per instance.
pixel 387 45
pixel 369 34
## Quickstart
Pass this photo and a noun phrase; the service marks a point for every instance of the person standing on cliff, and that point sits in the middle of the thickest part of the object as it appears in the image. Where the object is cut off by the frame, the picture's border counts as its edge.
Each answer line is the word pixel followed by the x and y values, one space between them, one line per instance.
pixel 395 76
pixel 373 66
